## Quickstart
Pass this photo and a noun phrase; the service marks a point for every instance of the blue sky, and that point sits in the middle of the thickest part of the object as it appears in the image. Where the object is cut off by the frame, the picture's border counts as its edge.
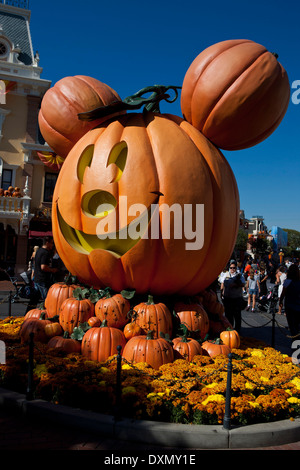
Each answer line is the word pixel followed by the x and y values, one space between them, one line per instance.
pixel 131 45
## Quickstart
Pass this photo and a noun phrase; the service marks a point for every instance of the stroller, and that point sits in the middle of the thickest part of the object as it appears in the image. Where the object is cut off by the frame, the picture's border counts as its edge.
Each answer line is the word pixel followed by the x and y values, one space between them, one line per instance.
pixel 268 302
pixel 23 289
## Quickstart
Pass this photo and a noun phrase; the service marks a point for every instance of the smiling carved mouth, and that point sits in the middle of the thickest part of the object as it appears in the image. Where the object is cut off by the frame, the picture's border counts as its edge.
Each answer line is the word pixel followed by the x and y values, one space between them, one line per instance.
pixel 117 243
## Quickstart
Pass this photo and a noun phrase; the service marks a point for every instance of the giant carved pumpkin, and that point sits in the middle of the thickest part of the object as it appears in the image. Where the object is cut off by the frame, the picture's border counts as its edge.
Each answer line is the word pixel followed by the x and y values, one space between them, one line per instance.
pixel 58 120
pixel 160 166
pixel 236 93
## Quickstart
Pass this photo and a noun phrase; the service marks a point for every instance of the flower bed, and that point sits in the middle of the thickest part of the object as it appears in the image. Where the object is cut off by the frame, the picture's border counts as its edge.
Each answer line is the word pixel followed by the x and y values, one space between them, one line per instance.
pixel 265 383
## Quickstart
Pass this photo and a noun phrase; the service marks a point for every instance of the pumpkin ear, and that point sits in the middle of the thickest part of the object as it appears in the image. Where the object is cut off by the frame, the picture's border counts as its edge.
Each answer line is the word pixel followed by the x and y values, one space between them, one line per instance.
pixel 85 160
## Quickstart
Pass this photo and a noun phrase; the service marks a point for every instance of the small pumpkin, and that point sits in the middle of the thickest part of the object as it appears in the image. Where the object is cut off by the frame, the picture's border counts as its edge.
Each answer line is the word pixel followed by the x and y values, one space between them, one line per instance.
pixel 35 326
pixel 215 348
pixel 99 343
pixel 57 294
pixel 236 93
pixel 146 348
pixel 231 338
pixel 194 317
pixel 113 309
pixel 184 347
pixel 61 104
pixel 211 303
pixel 155 317
pixel 75 310
pixel 53 329
pixel 67 344
pixel 93 322
pixel 132 329
pixel 36 313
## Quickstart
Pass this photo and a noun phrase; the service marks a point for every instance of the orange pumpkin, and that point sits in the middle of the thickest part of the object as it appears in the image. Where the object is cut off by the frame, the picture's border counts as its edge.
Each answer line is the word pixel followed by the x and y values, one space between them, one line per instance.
pixel 215 348
pixel 36 313
pixel 68 345
pixel 35 326
pixel 98 344
pixel 145 348
pixel 53 329
pixel 74 311
pixel 57 294
pixel 231 338
pixel 194 317
pixel 236 93
pixel 211 302
pixel 132 329
pixel 153 316
pixel 94 322
pixel 142 158
pixel 61 104
pixel 113 309
pixel 186 348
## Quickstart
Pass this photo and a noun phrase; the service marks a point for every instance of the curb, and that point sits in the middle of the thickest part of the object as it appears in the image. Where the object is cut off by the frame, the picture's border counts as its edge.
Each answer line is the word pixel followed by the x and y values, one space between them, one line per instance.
pixel 153 432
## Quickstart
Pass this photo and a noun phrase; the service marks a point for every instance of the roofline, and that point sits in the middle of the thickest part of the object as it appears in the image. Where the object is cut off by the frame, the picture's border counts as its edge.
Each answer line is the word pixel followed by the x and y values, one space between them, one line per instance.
pixel 16 10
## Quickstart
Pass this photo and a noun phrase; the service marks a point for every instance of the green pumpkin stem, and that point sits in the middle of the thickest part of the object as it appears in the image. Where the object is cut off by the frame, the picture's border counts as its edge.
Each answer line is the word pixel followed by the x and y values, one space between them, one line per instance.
pixel 150 300
pixel 135 101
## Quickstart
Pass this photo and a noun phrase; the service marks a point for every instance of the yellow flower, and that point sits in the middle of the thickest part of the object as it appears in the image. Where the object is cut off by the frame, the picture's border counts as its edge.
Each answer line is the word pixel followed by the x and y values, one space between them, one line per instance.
pixel 217 397
pixel 296 382
pixel 249 385
pixel 254 404
pixel 257 353
pixel 212 385
pixel 293 400
pixel 264 379
pixel 104 370
pixel 126 366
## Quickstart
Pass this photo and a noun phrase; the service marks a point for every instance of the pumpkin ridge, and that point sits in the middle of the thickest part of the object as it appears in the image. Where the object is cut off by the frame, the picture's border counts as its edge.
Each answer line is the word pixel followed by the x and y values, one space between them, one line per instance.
pixel 85 79
pixel 266 132
pixel 238 76
pixel 268 84
pixel 195 84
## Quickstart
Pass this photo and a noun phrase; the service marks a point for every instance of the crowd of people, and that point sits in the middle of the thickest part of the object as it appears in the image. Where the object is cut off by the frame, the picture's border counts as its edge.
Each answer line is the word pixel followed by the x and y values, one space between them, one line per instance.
pixel 251 280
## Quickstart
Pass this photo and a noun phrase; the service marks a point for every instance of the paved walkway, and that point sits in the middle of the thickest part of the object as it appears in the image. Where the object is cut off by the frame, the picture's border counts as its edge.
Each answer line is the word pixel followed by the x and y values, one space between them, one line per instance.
pixel 26 433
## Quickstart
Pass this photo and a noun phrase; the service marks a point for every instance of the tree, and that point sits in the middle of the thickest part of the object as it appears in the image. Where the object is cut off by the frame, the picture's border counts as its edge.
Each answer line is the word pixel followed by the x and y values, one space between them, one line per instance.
pixel 293 241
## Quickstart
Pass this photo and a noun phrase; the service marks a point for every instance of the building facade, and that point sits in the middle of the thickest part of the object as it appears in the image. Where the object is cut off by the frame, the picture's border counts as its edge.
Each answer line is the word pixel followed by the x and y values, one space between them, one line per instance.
pixel 26 184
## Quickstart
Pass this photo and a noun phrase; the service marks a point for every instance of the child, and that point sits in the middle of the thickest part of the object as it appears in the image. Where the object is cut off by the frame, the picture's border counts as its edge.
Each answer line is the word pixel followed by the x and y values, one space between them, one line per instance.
pixel 252 287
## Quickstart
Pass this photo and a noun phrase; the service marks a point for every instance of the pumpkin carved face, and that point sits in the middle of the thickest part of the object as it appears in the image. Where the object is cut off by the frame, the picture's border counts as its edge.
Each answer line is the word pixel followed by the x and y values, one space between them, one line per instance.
pixel 149 161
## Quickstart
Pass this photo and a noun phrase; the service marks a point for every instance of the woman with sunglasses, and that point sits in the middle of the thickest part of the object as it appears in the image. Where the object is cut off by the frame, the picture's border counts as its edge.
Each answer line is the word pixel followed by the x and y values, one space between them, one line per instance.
pixel 232 294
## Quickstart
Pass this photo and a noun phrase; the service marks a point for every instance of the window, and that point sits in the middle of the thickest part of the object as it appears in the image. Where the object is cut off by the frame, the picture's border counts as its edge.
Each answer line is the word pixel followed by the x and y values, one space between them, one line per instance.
pixel 7 176
pixel 50 181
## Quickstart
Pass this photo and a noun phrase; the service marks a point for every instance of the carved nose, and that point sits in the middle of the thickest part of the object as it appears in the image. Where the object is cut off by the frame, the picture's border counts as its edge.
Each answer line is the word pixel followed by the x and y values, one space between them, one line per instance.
pixel 98 203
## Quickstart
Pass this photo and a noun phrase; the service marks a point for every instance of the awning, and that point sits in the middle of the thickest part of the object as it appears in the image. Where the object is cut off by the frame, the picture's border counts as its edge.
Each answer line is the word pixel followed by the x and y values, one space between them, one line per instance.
pixel 35 234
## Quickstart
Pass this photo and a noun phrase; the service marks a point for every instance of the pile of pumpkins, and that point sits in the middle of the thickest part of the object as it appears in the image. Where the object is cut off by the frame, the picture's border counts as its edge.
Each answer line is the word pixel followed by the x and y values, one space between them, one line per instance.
pixel 95 322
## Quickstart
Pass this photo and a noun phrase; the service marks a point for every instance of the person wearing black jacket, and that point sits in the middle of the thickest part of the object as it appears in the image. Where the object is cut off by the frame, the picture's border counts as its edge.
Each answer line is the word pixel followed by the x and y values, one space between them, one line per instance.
pixel 232 295
pixel 42 267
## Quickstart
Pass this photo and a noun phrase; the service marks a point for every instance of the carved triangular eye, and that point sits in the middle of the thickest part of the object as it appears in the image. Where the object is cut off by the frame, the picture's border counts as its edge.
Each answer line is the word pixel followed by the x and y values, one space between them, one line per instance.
pixel 118 156
pixel 85 160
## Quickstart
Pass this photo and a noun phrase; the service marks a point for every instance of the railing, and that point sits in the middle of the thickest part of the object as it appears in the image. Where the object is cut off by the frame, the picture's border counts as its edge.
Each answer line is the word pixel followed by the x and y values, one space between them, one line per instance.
pixel 11 204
